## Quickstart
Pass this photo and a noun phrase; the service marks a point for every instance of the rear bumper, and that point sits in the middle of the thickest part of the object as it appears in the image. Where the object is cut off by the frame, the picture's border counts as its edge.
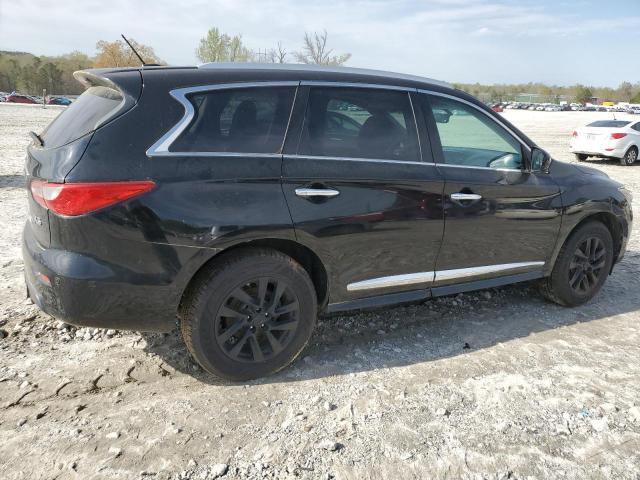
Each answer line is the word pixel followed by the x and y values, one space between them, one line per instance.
pixel 597 151
pixel 84 291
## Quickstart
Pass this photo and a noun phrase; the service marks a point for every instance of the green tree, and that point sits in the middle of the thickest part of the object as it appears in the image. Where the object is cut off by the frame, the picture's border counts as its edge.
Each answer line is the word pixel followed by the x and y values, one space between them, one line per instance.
pixel 315 51
pixel 583 94
pixel 220 47
pixel 625 91
pixel 635 98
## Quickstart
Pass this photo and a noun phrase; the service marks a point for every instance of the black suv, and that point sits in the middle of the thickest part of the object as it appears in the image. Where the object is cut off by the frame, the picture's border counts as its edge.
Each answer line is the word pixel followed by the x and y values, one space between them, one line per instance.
pixel 245 199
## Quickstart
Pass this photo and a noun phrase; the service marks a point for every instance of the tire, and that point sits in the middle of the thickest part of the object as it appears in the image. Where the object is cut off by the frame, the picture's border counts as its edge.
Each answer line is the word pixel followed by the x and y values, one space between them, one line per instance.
pixel 581 157
pixel 565 285
pixel 249 315
pixel 630 157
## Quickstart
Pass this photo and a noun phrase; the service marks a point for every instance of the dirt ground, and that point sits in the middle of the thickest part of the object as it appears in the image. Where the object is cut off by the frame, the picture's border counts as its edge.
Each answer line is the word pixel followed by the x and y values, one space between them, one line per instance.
pixel 495 384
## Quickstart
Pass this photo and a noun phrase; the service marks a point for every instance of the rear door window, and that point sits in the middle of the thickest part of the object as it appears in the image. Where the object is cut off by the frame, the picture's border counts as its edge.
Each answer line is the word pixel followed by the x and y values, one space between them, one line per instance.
pixel 243 120
pixel 359 123
pixel 95 106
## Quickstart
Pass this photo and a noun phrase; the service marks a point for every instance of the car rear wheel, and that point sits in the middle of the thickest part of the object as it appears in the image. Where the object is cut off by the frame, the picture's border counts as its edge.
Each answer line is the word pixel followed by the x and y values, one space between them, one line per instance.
pixel 630 157
pixel 582 266
pixel 249 315
pixel 581 157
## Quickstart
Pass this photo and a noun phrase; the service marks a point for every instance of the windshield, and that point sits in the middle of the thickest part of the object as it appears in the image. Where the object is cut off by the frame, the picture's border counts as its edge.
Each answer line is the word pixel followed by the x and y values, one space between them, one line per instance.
pixel 609 123
pixel 84 115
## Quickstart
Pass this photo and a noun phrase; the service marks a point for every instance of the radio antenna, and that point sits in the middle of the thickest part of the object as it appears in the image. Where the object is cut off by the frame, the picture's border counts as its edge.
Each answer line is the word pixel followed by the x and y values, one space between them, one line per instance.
pixel 133 49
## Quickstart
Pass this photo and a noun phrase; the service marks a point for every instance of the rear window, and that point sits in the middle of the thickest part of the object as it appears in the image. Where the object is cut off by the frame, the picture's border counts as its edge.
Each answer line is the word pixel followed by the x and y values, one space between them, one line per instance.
pixel 609 123
pixel 84 115
pixel 246 120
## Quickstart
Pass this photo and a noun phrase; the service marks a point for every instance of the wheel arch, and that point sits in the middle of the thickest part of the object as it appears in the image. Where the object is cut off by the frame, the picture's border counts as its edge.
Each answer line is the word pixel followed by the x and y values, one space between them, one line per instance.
pixel 300 253
pixel 610 221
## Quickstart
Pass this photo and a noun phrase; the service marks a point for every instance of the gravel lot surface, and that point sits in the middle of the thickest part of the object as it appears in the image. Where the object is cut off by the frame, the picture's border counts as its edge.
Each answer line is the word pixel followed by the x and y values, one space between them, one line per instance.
pixel 495 384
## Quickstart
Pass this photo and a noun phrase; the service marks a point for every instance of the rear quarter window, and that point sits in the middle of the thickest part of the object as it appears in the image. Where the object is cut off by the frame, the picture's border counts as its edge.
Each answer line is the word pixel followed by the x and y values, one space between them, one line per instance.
pixel 242 120
pixel 89 111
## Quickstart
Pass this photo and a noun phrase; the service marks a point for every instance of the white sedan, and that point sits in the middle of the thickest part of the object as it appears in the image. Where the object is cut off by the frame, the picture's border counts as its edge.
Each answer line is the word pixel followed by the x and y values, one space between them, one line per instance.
pixel 607 139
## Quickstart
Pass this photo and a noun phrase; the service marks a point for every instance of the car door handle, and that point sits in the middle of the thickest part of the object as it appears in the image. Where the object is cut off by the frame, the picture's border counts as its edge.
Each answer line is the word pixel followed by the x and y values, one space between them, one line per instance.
pixel 465 196
pixel 316 192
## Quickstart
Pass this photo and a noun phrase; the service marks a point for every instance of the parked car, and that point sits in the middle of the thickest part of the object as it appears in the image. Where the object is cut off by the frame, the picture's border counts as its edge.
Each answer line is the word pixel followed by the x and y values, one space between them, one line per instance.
pixel 58 101
pixel 225 199
pixel 618 139
pixel 17 98
pixel 497 108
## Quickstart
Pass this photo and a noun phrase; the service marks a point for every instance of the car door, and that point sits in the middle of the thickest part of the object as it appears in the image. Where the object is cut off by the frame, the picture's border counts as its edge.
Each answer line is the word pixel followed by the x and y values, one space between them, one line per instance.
pixel 361 192
pixel 501 218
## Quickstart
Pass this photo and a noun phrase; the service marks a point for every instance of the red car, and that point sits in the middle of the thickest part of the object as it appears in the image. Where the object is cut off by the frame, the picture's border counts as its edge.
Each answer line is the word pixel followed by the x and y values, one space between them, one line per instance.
pixel 497 108
pixel 15 98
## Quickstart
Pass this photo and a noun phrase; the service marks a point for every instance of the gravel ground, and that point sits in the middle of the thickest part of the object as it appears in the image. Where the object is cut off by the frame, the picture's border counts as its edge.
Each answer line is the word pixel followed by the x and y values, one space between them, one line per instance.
pixel 495 384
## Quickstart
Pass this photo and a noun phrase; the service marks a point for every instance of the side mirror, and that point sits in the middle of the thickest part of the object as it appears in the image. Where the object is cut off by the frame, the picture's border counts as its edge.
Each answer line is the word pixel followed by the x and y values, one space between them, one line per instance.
pixel 540 160
pixel 441 115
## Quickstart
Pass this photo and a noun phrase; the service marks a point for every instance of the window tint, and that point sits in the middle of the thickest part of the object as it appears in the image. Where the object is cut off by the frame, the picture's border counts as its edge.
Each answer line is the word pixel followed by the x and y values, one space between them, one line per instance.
pixel 470 138
pixel 249 120
pixel 95 105
pixel 359 123
pixel 636 126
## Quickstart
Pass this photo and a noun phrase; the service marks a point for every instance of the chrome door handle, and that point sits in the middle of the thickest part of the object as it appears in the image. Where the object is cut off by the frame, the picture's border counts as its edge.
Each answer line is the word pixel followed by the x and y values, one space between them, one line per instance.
pixel 465 196
pixel 316 192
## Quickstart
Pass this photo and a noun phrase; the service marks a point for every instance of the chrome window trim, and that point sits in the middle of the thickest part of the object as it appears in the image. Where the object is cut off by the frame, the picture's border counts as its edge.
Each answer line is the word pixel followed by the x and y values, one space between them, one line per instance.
pixel 474 167
pixel 437 276
pixel 354 159
pixel 462 100
pixel 161 147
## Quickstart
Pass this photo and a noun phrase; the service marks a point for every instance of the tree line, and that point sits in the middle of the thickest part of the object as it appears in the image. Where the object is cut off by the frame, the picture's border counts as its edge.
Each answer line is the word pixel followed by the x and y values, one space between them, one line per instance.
pixel 541 93
pixel 30 74
pixel 27 73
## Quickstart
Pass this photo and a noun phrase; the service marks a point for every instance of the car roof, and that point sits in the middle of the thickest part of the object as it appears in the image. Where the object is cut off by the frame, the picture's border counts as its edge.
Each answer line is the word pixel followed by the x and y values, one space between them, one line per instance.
pixel 219 72
pixel 309 68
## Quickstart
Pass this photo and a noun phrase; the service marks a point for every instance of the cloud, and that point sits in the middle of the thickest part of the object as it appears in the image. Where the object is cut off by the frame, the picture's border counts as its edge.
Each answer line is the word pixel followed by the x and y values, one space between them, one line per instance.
pixel 457 40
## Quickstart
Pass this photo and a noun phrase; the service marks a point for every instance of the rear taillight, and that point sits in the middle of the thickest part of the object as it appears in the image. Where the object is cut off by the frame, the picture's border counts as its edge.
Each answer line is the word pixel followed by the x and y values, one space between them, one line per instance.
pixel 618 136
pixel 72 199
pixel 574 134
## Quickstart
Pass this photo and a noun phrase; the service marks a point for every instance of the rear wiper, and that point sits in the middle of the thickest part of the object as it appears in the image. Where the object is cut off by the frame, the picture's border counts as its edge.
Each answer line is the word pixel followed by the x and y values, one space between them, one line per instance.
pixel 37 138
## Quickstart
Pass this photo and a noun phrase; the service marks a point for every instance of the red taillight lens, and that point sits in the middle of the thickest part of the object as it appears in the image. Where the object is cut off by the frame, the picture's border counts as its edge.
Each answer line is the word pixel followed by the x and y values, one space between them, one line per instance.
pixel 574 134
pixel 618 136
pixel 72 199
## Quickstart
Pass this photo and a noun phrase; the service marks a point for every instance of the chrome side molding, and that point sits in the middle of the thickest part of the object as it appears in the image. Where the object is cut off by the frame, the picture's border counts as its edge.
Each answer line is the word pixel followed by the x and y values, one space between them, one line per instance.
pixel 434 277
pixel 392 281
pixel 483 270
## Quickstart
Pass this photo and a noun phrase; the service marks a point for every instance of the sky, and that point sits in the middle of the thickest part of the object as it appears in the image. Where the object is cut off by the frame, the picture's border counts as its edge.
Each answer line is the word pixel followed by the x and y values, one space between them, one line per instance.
pixel 594 42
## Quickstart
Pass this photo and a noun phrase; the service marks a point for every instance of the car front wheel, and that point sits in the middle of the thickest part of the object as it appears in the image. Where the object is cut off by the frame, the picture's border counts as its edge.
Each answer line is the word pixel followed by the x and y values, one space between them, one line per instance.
pixel 582 266
pixel 249 315
pixel 581 157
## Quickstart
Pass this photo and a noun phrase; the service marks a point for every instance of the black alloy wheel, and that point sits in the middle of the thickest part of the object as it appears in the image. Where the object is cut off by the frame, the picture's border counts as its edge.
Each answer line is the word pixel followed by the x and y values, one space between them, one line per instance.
pixel 257 320
pixel 587 265
pixel 249 314
pixel 582 265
